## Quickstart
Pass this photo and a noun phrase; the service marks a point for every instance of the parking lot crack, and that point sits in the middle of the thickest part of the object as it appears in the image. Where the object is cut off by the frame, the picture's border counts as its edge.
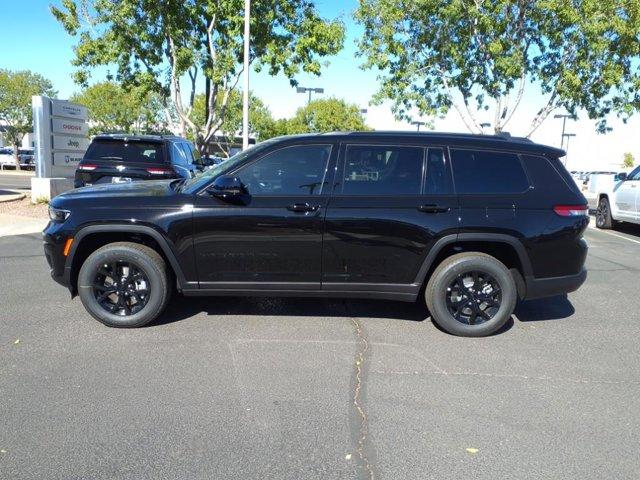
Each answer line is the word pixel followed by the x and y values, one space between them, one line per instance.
pixel 362 438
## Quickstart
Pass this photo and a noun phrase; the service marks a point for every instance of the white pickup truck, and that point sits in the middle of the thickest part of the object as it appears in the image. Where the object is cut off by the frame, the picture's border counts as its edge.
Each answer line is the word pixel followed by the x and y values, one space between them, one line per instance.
pixel 619 200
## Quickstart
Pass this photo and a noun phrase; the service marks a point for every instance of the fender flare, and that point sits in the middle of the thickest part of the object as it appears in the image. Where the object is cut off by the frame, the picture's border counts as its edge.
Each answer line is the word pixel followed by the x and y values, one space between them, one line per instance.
pixel 165 245
pixel 474 237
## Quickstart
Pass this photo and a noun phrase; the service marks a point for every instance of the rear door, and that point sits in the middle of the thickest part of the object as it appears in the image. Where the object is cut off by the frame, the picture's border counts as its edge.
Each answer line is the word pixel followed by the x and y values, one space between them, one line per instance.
pixel 390 204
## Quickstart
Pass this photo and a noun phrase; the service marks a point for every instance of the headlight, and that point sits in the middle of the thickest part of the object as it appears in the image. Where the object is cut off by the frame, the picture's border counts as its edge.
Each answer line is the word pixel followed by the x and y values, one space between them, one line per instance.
pixel 58 215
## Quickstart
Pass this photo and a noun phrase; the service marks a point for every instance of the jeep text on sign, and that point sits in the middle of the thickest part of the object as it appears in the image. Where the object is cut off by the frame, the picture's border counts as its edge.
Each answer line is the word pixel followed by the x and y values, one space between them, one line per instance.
pixel 63 142
pixel 61 125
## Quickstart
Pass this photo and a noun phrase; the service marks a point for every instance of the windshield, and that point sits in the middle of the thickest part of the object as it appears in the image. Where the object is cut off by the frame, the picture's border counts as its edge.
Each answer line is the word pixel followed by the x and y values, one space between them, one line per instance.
pixel 203 178
pixel 132 151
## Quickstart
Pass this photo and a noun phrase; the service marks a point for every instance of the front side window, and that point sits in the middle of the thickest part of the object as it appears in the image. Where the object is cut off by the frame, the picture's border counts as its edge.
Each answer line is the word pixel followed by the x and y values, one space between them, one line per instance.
pixel 382 170
pixel 486 172
pixel 298 170
pixel 635 174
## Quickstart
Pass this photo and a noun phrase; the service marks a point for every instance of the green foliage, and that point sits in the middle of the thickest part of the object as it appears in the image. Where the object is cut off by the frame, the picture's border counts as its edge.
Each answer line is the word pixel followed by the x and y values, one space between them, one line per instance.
pixel 327 115
pixel 628 161
pixel 434 55
pixel 16 90
pixel 155 44
pixel 261 122
pixel 113 107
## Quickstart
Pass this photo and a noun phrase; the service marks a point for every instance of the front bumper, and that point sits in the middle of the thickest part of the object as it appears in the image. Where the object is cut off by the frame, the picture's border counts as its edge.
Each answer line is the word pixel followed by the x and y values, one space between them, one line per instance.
pixel 54 237
pixel 549 287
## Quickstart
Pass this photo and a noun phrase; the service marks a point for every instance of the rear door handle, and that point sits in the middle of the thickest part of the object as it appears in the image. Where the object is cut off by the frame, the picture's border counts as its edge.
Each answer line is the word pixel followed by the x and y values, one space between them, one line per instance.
pixel 432 208
pixel 303 207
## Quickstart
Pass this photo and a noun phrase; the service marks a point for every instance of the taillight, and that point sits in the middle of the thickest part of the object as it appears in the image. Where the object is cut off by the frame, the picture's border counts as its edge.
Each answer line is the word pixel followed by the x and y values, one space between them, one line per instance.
pixel 87 167
pixel 572 210
pixel 161 171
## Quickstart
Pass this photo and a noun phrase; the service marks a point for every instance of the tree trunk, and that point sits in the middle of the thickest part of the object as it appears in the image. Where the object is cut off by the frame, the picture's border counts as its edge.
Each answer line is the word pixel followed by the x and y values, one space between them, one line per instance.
pixel 15 156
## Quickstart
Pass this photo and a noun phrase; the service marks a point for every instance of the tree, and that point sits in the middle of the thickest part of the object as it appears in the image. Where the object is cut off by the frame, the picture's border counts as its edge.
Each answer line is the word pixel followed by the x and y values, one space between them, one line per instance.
pixel 261 122
pixel 327 115
pixel 167 44
pixel 628 161
pixel 482 54
pixel 16 90
pixel 115 108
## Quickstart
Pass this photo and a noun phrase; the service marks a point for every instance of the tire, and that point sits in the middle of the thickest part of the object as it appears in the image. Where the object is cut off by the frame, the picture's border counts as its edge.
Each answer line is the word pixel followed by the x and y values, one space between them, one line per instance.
pixel 135 266
pixel 446 295
pixel 604 220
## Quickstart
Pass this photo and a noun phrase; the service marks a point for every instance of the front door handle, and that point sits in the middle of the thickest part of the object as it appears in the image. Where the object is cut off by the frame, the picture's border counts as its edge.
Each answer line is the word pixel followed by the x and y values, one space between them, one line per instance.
pixel 432 208
pixel 303 207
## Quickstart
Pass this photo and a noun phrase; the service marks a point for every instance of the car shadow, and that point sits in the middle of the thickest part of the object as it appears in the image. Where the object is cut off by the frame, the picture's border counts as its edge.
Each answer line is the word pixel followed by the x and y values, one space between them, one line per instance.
pixel 628 228
pixel 544 309
pixel 181 308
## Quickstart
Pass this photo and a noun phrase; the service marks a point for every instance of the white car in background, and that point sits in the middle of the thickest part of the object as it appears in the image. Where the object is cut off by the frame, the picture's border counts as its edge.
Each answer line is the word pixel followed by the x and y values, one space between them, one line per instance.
pixel 619 200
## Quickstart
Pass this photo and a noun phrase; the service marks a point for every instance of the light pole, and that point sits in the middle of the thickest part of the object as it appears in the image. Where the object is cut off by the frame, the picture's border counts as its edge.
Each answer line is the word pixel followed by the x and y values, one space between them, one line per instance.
pixel 245 93
pixel 310 90
pixel 564 117
pixel 418 124
pixel 567 136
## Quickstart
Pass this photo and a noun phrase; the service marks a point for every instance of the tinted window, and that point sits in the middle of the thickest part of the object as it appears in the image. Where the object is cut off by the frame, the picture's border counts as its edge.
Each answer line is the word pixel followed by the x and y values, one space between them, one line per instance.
pixel 438 179
pixel 118 151
pixel 487 172
pixel 296 170
pixel 381 170
pixel 635 174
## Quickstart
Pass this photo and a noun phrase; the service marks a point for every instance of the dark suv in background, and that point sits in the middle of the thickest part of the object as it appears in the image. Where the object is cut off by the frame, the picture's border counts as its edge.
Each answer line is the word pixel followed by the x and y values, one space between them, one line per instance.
pixel 466 223
pixel 122 158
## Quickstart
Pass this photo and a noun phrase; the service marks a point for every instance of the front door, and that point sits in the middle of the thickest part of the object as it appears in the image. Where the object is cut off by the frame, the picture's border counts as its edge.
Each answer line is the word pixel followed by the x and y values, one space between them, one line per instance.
pixel 275 240
pixel 390 205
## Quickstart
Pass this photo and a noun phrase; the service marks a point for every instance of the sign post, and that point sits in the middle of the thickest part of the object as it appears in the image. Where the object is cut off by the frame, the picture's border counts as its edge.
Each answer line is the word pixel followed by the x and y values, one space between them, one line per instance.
pixel 61 130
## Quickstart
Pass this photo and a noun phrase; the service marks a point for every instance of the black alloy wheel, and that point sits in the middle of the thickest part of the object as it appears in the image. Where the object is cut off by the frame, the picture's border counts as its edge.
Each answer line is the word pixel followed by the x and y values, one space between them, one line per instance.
pixel 473 297
pixel 121 288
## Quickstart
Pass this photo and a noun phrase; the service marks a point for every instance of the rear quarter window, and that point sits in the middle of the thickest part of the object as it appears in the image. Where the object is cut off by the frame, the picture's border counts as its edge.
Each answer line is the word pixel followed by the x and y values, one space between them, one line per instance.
pixel 126 152
pixel 488 172
pixel 549 175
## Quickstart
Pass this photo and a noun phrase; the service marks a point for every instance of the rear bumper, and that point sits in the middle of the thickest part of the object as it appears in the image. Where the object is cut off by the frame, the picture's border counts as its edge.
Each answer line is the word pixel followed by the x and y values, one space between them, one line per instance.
pixel 549 287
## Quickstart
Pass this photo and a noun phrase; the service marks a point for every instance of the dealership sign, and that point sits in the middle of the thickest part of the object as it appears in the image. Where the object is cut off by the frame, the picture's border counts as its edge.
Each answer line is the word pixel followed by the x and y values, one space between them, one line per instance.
pixel 61 130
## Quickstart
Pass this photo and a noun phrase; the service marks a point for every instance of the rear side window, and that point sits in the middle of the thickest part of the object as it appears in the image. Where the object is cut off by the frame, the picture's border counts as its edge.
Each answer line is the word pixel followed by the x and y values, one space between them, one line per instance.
pixel 382 170
pixel 118 151
pixel 486 172
pixel 438 180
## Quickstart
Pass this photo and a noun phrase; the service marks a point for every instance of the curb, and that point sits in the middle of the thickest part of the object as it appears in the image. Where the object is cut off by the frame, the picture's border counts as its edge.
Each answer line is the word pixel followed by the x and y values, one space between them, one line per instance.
pixel 13 196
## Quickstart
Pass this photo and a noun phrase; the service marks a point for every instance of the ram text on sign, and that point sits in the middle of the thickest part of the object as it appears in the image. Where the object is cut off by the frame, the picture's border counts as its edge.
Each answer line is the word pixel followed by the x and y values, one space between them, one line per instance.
pixel 60 108
pixel 61 125
pixel 66 159
pixel 63 142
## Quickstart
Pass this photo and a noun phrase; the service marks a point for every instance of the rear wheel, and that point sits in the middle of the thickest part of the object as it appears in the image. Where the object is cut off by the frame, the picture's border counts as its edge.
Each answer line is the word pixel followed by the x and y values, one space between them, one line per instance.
pixel 603 214
pixel 471 294
pixel 124 284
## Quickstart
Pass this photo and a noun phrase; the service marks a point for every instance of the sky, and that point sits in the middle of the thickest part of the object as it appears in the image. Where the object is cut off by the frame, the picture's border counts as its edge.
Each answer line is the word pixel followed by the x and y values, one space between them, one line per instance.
pixel 32 39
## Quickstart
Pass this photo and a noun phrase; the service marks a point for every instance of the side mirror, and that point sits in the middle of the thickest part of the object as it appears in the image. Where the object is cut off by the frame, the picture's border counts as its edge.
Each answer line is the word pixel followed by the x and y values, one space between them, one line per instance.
pixel 621 177
pixel 229 189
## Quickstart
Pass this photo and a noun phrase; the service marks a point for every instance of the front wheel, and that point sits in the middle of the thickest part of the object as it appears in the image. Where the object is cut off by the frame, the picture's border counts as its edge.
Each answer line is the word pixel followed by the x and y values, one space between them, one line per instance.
pixel 604 219
pixel 471 295
pixel 124 284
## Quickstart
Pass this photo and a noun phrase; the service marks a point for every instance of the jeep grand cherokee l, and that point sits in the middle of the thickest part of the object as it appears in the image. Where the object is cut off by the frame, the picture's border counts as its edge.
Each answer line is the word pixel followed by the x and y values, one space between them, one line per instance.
pixel 467 224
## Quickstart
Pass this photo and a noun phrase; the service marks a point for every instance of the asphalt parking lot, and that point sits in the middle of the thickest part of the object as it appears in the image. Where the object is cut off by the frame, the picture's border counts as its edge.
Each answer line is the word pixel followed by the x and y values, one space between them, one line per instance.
pixel 305 388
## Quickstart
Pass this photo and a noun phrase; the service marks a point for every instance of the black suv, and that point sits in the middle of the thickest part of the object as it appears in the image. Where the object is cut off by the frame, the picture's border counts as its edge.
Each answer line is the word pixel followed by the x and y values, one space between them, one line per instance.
pixel 122 158
pixel 467 223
